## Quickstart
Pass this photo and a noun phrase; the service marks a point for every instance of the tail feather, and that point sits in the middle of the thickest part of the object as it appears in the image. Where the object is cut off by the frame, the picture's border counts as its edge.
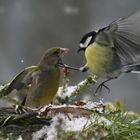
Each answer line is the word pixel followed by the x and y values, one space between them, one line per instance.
pixel 133 68
pixel 136 69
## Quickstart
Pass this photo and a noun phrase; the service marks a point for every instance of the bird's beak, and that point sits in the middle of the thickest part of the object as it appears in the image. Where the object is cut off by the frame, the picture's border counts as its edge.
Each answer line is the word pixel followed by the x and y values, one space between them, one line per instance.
pixel 63 51
pixel 80 49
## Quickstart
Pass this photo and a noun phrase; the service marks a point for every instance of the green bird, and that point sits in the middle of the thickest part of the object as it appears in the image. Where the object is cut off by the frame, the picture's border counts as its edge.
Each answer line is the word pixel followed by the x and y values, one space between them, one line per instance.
pixel 37 85
pixel 114 49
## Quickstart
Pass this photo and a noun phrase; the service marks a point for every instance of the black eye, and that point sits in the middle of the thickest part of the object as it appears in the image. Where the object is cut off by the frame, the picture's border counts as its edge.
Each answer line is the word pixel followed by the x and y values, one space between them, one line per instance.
pixel 56 52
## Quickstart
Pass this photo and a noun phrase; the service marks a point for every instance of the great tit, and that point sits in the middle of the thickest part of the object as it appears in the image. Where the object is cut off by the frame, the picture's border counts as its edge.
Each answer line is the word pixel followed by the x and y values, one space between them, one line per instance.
pixel 114 49
pixel 37 85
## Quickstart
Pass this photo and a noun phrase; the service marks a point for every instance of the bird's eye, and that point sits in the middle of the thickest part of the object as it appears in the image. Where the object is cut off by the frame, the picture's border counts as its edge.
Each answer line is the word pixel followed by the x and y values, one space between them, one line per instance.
pixel 56 52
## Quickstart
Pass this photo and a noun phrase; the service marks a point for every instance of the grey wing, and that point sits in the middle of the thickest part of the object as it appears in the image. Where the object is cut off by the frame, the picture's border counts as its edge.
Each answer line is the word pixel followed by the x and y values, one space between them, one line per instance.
pixel 126 38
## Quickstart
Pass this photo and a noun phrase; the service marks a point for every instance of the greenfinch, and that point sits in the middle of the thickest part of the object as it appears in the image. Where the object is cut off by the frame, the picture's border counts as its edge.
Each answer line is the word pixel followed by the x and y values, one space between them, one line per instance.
pixel 37 85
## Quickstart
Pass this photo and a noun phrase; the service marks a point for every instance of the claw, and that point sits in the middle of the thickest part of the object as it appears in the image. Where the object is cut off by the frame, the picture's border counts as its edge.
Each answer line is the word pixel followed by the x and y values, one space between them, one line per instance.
pixel 100 87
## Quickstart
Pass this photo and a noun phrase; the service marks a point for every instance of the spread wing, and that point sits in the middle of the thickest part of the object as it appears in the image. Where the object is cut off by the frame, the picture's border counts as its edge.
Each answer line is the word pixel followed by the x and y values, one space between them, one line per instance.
pixel 125 34
pixel 24 78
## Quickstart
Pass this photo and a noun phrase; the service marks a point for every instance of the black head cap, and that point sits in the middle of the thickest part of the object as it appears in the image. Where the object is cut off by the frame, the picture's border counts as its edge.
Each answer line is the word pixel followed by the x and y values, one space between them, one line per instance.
pixel 86 40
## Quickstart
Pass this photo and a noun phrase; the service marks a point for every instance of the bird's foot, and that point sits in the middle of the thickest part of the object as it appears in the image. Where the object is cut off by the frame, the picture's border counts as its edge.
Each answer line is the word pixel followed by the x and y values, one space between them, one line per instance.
pixel 100 87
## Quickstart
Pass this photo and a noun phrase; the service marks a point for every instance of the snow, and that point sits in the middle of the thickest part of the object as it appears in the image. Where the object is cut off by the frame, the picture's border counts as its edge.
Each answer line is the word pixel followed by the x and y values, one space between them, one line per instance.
pixel 105 121
pixel 20 138
pixel 136 121
pixel 68 92
pixel 22 61
pixel 68 122
pixel 65 123
pixel 75 124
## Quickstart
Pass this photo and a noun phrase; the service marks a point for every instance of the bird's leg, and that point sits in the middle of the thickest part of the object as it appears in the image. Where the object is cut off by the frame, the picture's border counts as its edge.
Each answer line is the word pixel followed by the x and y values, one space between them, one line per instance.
pixel 99 88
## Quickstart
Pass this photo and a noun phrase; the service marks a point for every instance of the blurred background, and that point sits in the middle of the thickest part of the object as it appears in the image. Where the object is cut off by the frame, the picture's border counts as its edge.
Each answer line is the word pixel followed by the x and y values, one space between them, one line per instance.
pixel 29 27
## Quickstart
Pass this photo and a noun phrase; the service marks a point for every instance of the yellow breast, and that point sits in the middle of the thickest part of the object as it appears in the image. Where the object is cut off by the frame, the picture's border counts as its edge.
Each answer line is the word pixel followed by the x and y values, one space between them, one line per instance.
pixel 97 58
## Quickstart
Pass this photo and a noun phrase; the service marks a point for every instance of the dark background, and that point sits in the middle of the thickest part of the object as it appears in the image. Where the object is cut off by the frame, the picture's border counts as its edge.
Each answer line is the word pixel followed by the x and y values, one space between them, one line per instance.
pixel 29 27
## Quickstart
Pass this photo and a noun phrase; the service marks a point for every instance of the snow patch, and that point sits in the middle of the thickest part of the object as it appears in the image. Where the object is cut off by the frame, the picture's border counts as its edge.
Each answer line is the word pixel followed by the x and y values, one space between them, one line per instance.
pixel 65 123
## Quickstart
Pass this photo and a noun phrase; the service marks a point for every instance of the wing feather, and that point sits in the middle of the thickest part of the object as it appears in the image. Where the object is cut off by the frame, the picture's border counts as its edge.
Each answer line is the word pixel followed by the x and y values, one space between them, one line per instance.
pixel 23 79
pixel 125 34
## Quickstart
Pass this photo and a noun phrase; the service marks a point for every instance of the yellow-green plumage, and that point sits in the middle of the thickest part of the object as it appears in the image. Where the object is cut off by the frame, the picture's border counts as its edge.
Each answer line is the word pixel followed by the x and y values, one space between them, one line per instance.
pixel 38 84
pixel 46 80
pixel 43 88
pixel 97 58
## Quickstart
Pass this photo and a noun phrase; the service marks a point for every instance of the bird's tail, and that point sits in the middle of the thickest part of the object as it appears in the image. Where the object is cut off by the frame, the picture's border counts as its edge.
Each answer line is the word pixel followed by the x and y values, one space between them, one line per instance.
pixel 133 68
pixel 136 69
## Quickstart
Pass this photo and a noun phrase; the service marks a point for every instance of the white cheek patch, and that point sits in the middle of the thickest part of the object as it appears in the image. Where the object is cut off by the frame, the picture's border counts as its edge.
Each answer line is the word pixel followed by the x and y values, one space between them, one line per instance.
pixel 88 40
pixel 84 45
